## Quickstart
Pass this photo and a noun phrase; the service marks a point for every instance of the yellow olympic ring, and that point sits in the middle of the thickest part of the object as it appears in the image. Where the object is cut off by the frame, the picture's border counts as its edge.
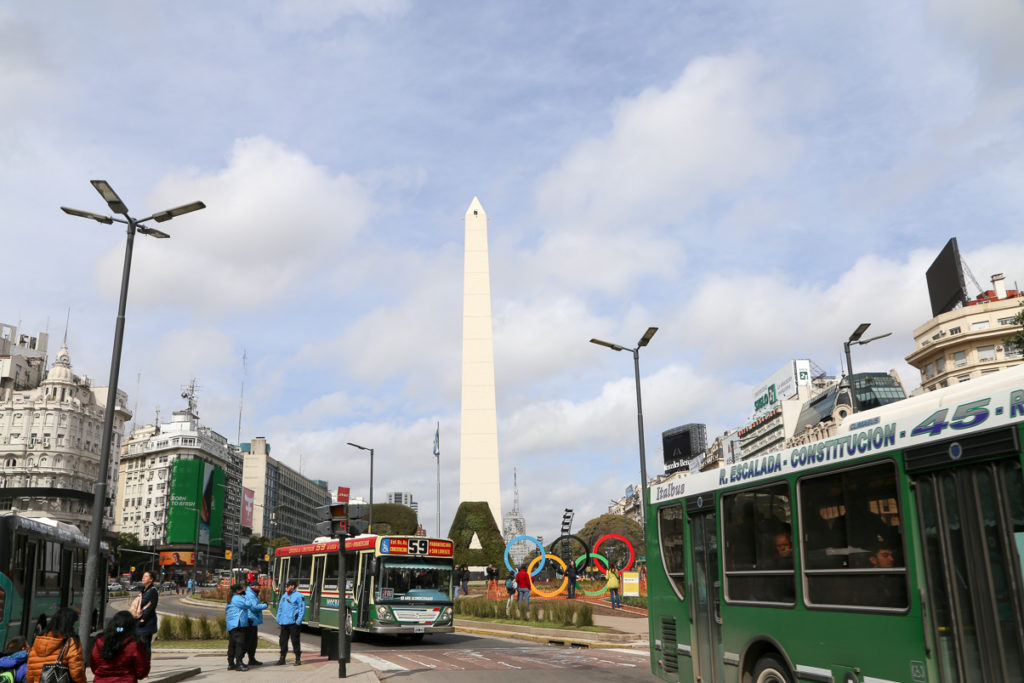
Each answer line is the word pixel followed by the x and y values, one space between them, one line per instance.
pixel 557 591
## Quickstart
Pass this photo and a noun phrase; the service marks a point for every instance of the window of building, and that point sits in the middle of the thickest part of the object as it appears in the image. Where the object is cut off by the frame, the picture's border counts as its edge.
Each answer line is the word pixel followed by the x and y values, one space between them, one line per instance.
pixel 929 371
pixel 980 325
pixel 960 358
pixel 852 539
pixel 759 545
pixel 954 330
pixel 987 353
pixel 671 524
pixel 940 366
pixel 962 378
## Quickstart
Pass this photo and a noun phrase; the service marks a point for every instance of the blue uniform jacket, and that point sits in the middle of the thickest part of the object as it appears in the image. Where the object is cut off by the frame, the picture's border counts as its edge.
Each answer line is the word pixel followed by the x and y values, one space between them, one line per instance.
pixel 291 609
pixel 17 661
pixel 256 607
pixel 236 612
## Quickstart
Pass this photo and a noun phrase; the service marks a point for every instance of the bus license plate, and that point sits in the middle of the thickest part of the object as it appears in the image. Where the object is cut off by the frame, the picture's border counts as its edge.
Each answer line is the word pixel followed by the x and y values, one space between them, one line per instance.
pixel 418 629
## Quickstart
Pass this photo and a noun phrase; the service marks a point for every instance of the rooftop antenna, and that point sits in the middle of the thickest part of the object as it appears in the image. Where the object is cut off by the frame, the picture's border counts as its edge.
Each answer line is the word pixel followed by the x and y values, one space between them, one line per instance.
pixel 135 410
pixel 189 394
pixel 156 420
pixel 241 401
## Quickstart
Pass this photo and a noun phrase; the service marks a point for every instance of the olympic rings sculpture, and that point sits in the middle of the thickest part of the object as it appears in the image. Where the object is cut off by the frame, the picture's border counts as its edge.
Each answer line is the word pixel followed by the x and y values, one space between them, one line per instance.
pixel 584 558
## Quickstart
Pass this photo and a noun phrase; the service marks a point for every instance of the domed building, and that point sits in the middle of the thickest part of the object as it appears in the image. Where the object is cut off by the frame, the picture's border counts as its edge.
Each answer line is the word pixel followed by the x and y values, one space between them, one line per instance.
pixel 50 446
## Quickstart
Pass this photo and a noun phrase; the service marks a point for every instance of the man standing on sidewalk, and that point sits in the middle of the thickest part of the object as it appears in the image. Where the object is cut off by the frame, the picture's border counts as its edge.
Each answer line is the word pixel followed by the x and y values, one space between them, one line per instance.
pixel 252 637
pixel 290 612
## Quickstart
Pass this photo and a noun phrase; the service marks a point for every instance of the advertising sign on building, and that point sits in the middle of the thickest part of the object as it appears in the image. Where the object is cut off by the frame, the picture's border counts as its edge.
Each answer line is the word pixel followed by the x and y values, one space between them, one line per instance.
pixel 343 494
pixel 176 559
pixel 248 498
pixel 196 503
pixel 783 384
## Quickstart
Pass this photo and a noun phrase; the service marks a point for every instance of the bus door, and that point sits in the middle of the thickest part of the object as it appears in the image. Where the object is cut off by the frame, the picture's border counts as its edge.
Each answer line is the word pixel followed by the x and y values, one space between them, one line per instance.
pixel 972 529
pixel 67 587
pixel 708 665
pixel 363 588
pixel 28 573
pixel 316 587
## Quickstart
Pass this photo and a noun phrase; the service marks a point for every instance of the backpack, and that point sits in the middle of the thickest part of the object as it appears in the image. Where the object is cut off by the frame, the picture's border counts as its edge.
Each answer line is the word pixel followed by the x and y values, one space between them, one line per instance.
pixel 510 584
pixel 136 606
pixel 8 675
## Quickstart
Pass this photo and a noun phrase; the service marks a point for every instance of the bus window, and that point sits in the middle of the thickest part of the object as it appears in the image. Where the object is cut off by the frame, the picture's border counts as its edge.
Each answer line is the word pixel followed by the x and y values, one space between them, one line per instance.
pixel 759 545
pixel 670 537
pixel 331 575
pixel 852 539
pixel 303 572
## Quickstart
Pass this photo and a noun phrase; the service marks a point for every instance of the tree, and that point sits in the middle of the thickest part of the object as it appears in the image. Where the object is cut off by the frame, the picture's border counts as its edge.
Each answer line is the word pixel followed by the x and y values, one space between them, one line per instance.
pixel 476 517
pixel 125 541
pixel 255 549
pixel 1016 342
pixel 613 549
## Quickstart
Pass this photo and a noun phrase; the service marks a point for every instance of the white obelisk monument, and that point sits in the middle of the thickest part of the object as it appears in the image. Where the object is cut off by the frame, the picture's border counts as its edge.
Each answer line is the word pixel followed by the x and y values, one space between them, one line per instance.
pixel 478 470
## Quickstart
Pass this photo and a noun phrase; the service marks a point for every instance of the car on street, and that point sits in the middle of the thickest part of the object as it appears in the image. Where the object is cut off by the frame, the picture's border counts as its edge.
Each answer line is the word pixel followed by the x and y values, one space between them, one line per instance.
pixel 114 587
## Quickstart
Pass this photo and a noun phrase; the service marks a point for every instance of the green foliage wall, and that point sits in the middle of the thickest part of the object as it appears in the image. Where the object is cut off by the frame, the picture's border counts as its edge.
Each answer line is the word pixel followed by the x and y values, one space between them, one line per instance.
pixel 476 516
pixel 391 518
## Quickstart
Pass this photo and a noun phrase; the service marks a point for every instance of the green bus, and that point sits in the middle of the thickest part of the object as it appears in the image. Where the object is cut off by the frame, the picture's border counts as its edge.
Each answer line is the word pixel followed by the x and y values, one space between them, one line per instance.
pixel 890 552
pixel 398 585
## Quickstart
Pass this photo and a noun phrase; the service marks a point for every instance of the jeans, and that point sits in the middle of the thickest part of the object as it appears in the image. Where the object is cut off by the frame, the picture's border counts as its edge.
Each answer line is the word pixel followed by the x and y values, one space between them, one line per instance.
pixel 524 596
pixel 572 588
pixel 616 603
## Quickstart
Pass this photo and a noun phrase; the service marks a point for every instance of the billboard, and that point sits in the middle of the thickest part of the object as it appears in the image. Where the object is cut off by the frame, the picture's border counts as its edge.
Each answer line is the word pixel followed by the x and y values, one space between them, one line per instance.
pixel 782 385
pixel 176 558
pixel 248 498
pixel 196 504
pixel 680 444
pixel 945 277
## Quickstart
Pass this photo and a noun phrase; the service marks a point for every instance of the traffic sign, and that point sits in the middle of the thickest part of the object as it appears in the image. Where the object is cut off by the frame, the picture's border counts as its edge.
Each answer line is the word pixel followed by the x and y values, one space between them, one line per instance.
pixel 227 554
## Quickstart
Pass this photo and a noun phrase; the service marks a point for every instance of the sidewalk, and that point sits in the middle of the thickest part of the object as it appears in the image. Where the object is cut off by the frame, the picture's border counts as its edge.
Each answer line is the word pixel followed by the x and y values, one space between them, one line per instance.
pixel 170 666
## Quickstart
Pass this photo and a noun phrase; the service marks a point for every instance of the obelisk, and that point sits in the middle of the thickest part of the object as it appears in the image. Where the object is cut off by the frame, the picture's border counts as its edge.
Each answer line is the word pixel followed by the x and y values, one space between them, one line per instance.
pixel 478 469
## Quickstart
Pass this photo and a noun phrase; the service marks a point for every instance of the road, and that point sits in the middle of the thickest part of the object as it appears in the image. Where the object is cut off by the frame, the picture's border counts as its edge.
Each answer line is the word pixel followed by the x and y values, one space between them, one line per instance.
pixel 464 656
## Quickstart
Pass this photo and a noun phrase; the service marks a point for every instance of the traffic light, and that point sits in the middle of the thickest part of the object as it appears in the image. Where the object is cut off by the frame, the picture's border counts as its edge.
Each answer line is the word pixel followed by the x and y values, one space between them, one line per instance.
pixel 336 515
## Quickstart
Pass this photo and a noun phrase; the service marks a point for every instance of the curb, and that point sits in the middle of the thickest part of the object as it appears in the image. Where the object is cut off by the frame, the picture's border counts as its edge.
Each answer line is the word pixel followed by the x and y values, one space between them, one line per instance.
pixel 554 636
pixel 175 676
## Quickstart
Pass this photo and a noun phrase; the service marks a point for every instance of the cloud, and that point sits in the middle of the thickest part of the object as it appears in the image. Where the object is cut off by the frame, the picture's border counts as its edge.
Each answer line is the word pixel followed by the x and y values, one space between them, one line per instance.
pixel 274 221
pixel 671 151
pixel 320 15
pixel 990 30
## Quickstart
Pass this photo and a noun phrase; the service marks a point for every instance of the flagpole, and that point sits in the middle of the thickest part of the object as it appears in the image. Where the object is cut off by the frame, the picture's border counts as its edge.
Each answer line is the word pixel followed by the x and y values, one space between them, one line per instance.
pixel 437 457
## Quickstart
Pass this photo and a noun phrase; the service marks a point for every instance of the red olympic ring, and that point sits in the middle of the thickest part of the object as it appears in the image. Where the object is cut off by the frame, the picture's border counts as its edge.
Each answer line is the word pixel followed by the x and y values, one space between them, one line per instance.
pixel 632 555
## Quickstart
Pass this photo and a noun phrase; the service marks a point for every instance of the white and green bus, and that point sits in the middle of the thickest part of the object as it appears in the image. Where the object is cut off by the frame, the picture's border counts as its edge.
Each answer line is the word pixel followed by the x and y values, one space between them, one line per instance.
pixel 891 552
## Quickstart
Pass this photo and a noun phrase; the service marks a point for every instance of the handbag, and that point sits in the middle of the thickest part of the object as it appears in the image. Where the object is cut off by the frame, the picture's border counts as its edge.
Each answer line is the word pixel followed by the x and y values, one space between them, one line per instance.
pixel 57 671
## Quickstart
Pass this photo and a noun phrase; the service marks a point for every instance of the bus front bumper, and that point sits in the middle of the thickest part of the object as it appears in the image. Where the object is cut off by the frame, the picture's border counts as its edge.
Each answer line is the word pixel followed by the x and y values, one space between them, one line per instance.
pixel 411 629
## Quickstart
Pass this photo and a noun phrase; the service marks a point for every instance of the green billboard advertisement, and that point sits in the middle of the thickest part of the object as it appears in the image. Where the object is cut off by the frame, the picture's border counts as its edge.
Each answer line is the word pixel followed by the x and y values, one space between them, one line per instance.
pixel 196 504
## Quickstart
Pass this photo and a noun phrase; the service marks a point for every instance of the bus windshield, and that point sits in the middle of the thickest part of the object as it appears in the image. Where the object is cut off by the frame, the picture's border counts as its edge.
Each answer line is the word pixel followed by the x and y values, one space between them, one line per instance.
pixel 415 580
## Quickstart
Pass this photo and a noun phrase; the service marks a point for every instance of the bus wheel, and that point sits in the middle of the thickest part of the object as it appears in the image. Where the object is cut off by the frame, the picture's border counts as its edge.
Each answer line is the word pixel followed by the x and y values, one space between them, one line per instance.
pixel 770 670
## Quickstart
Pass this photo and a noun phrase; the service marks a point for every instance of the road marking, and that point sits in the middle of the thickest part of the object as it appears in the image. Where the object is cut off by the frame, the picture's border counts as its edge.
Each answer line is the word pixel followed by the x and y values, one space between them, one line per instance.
pixel 377 663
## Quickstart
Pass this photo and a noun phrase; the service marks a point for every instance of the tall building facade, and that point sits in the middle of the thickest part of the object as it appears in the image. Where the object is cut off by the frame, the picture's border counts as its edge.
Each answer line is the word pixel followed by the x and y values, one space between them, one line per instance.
pixel 51 439
pixel 479 477
pixel 22 360
pixel 404 498
pixel 967 343
pixel 146 478
pixel 285 502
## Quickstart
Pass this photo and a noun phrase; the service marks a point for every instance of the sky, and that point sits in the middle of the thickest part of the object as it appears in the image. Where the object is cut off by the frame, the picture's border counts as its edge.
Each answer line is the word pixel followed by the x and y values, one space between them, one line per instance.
pixel 754 179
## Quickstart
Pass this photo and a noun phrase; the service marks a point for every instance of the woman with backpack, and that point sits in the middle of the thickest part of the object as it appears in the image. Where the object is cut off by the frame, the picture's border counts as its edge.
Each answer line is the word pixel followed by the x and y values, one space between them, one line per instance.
pixel 59 642
pixel 510 587
pixel 117 656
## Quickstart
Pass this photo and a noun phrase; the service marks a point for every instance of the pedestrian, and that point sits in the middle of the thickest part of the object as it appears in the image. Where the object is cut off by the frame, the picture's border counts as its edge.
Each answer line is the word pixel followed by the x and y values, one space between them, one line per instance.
pixel 236 619
pixel 146 626
pixel 116 655
pixel 252 636
pixel 465 580
pixel 40 627
pixel 613 586
pixel 290 611
pixel 523 585
pixel 15 659
pixel 570 573
pixel 510 588
pixel 191 585
pixel 59 641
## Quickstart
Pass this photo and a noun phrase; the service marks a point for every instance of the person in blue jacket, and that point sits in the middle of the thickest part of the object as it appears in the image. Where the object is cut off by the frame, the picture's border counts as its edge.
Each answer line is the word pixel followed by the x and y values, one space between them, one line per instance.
pixel 290 612
pixel 236 618
pixel 16 659
pixel 252 638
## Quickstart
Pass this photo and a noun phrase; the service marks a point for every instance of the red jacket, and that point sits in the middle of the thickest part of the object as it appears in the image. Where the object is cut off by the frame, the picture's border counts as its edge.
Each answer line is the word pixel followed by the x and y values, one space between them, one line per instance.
pixel 523 579
pixel 128 666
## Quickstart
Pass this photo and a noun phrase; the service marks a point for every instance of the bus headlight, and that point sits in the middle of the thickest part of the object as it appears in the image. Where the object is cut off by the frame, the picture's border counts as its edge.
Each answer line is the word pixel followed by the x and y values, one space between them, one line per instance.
pixel 446 616
pixel 384 614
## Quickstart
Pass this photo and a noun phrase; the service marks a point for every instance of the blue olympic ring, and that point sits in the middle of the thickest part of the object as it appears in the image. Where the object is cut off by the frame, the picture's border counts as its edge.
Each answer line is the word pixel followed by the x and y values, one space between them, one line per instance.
pixel 543 555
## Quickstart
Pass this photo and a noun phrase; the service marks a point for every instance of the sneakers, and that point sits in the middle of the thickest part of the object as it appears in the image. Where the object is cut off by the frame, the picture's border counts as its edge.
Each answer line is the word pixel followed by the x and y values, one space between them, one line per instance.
pixel 280 662
pixel 241 667
pixel 298 662
pixel 255 662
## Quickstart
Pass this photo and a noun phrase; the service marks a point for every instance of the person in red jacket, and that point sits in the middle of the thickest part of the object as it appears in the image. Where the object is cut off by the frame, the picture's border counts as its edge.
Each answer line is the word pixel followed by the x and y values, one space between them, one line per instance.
pixel 523 586
pixel 117 656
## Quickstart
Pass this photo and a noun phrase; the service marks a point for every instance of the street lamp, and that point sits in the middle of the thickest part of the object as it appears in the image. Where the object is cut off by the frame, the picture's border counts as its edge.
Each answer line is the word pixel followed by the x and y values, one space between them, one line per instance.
pixel 855 338
pixel 100 490
pixel 644 341
pixel 369 526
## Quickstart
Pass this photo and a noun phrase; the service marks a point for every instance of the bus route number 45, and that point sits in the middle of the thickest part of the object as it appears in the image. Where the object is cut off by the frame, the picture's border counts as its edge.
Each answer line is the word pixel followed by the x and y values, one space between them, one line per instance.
pixel 966 416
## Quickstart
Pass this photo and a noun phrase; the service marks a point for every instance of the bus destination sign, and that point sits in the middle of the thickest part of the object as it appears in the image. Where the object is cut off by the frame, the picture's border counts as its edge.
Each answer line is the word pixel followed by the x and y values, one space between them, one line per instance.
pixel 416 546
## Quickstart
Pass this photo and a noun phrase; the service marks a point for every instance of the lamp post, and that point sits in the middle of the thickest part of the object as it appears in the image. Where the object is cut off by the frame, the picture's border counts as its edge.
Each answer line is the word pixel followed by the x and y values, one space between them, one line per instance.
pixel 855 339
pixel 369 526
pixel 100 488
pixel 644 341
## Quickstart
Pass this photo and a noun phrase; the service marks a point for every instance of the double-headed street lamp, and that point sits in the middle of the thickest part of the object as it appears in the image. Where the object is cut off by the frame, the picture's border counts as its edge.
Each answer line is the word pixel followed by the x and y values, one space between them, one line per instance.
pixel 369 526
pixel 855 338
pixel 644 341
pixel 100 490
